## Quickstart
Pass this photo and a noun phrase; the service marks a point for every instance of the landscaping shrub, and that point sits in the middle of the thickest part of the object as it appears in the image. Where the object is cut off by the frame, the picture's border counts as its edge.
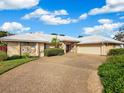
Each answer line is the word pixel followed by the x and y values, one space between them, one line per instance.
pixel 3 56
pixel 119 51
pixel 14 57
pixel 53 52
pixel 26 55
pixel 19 57
pixel 3 44
pixel 112 74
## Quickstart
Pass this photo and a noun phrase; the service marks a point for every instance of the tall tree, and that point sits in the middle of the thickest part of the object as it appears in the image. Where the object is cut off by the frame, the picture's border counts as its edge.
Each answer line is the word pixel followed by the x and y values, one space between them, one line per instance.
pixel 55 42
pixel 80 36
pixel 120 35
pixel 54 34
pixel 4 33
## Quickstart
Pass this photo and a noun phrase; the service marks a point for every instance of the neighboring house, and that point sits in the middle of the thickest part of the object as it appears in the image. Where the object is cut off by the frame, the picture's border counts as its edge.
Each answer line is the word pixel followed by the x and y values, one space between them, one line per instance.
pixel 97 45
pixel 35 43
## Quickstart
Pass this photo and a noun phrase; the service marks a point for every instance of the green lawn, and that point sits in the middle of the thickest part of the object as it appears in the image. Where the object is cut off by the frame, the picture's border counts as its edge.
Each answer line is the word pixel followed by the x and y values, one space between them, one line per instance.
pixel 10 64
pixel 112 74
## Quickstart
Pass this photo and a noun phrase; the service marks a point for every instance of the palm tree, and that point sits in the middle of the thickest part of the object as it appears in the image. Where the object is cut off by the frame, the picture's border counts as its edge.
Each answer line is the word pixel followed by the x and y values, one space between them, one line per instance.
pixel 55 42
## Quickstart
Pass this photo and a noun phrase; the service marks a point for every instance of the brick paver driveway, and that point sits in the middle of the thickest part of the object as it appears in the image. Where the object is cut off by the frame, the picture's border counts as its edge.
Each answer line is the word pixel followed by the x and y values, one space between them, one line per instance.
pixel 66 74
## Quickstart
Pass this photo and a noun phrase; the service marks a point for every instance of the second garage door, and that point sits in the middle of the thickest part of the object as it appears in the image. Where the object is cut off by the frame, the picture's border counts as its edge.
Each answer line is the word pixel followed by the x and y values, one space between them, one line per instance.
pixel 89 49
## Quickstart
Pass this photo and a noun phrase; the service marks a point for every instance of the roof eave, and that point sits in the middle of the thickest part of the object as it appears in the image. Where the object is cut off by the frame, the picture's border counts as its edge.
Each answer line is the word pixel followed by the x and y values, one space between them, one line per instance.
pixel 101 43
pixel 23 41
pixel 70 41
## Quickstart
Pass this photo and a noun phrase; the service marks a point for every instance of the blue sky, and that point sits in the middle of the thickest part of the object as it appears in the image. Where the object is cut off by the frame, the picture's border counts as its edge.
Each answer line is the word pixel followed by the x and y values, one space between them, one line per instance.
pixel 70 17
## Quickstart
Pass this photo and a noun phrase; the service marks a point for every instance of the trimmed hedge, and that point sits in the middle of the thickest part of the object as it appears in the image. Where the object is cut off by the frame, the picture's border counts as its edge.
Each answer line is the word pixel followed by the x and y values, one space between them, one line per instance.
pixel 14 57
pixel 53 52
pixel 26 55
pixel 112 74
pixel 3 56
pixel 20 57
pixel 113 52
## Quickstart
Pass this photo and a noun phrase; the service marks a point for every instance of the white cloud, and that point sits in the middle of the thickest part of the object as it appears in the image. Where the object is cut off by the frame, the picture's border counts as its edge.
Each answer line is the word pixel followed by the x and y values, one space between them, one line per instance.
pixel 61 12
pixel 53 18
pixel 103 29
pixel 115 2
pixel 105 21
pixel 122 17
pixel 17 4
pixel 83 16
pixel 36 14
pixel 110 7
pixel 14 27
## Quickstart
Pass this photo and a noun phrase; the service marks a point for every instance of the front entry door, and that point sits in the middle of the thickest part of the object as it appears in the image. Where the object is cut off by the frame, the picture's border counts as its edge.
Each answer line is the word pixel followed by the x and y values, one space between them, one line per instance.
pixel 68 48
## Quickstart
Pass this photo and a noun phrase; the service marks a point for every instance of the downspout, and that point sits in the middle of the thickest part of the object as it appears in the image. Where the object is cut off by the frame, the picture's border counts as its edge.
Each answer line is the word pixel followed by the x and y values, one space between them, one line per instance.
pixel 38 50
pixel 102 48
pixel 20 48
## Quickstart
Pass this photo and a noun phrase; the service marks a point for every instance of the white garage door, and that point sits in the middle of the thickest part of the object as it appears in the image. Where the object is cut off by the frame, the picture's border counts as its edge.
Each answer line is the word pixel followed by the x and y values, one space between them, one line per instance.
pixel 89 49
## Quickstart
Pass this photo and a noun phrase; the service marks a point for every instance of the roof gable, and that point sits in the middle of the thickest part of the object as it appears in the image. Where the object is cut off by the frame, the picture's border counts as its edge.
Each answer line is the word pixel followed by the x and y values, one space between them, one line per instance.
pixel 37 37
pixel 97 39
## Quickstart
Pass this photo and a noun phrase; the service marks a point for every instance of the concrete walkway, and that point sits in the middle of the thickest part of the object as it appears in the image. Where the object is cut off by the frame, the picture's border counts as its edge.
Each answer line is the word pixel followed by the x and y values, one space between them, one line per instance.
pixel 66 74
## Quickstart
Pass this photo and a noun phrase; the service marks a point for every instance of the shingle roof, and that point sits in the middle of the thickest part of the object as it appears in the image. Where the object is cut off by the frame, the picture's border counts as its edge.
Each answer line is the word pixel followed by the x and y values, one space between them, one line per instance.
pixel 37 37
pixel 40 37
pixel 97 39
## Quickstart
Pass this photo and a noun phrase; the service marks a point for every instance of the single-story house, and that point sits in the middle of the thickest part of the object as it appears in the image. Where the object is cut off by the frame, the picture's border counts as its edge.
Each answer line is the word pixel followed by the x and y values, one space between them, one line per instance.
pixel 35 43
pixel 97 45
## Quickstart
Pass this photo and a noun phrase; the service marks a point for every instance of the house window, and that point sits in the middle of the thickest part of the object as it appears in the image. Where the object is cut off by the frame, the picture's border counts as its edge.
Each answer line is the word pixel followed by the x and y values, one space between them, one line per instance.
pixel 46 46
pixel 25 44
pixel 28 47
pixel 28 44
